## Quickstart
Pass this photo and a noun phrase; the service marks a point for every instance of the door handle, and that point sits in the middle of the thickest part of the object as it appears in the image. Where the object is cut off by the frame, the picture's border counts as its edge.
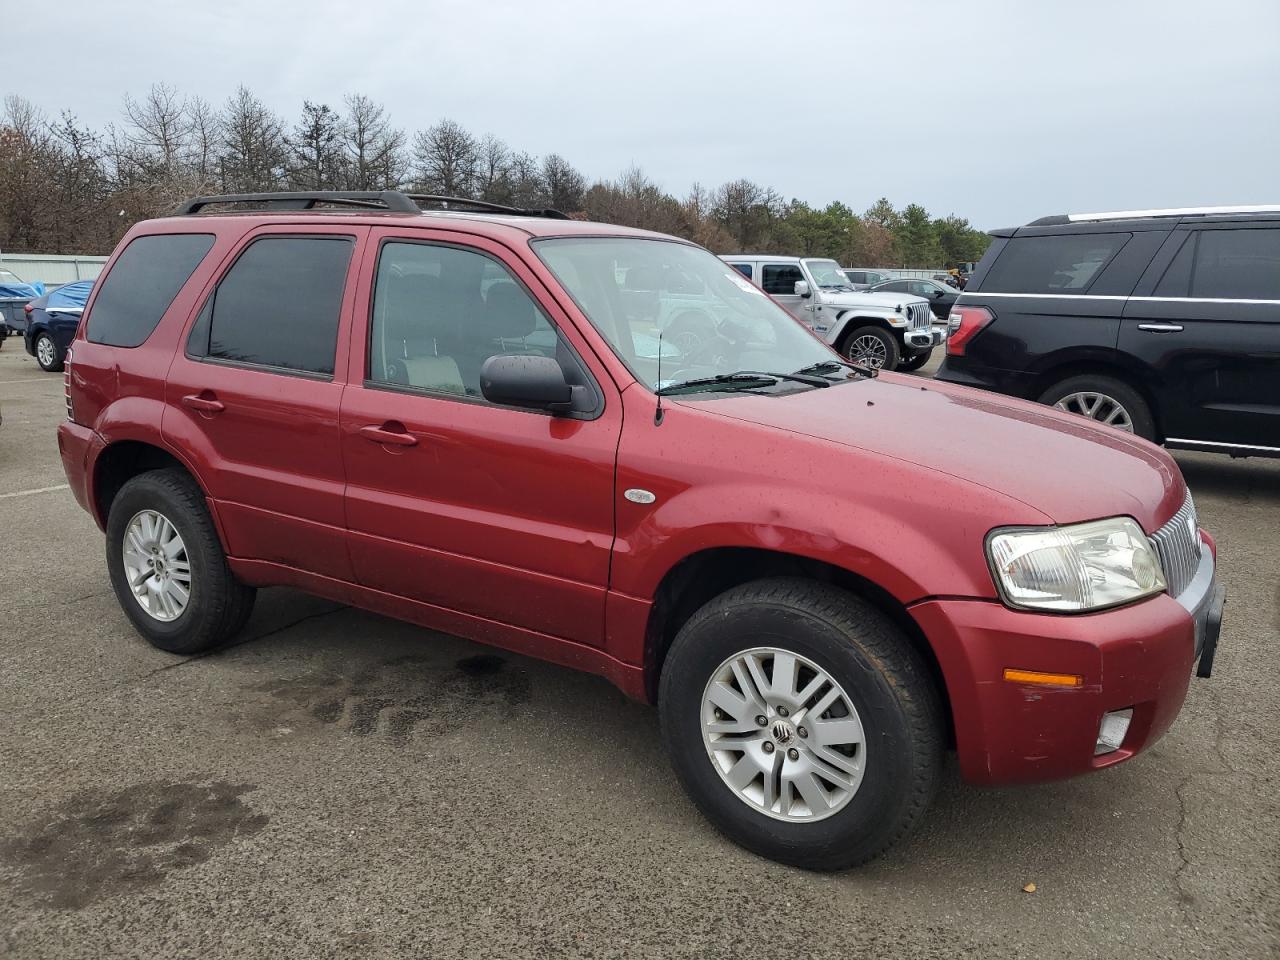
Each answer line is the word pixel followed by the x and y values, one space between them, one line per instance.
pixel 205 404
pixel 1161 327
pixel 390 433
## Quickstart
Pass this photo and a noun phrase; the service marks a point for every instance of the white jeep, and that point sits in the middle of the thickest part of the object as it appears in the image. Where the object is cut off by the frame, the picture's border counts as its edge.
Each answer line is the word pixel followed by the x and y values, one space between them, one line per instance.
pixel 888 330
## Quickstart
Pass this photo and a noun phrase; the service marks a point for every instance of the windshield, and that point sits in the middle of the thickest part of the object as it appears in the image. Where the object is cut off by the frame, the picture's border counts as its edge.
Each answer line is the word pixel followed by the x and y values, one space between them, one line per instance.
pixel 712 321
pixel 7 276
pixel 827 274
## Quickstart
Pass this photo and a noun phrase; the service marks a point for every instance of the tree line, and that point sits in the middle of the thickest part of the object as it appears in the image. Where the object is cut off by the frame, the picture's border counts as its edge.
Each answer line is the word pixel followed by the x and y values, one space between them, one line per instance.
pixel 68 188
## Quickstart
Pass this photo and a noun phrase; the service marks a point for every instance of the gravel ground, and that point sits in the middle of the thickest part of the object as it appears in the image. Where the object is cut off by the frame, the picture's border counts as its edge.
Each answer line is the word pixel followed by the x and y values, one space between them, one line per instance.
pixel 341 784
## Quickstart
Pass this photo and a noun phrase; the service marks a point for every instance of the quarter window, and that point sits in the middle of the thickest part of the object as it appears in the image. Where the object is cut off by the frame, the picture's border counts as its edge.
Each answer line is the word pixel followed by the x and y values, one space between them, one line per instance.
pixel 1237 265
pixel 440 312
pixel 742 268
pixel 780 279
pixel 142 283
pixel 1058 264
pixel 278 305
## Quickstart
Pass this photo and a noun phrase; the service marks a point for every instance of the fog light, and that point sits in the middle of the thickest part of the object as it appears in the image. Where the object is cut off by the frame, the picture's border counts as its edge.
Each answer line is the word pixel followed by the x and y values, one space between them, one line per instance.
pixel 1111 734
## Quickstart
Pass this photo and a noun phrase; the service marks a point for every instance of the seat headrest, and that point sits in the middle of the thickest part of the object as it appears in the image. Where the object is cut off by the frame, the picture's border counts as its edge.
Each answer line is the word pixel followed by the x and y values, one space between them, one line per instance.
pixel 412 307
pixel 508 312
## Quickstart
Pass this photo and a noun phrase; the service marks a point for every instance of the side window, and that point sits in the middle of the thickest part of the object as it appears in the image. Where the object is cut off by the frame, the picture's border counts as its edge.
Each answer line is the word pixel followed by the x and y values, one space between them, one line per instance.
pixel 277 306
pixel 440 312
pixel 1237 265
pixel 1056 264
pixel 920 288
pixel 742 268
pixel 142 284
pixel 780 279
pixel 1177 276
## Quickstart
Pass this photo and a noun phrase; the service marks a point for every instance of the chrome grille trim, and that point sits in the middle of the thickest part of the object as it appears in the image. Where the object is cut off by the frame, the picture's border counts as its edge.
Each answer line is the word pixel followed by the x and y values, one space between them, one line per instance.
pixel 1178 546
pixel 918 315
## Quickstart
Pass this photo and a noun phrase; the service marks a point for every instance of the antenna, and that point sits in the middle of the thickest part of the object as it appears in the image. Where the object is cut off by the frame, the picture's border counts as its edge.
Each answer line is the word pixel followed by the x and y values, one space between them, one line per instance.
pixel 658 412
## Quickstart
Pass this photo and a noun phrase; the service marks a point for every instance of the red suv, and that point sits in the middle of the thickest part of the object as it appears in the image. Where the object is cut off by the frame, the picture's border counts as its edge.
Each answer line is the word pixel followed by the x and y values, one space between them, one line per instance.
pixel 470 419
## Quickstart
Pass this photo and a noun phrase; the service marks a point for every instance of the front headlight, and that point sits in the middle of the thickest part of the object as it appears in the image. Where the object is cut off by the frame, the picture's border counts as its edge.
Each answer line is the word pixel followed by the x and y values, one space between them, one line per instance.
pixel 1087 566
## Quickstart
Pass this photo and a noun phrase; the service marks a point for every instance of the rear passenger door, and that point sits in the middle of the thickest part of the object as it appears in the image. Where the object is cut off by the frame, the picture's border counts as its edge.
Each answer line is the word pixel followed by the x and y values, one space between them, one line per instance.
pixel 1206 317
pixel 254 399
pixel 502 514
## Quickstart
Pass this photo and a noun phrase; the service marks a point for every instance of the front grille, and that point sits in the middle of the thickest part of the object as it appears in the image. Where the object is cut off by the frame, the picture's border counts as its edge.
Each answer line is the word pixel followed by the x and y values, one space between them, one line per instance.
pixel 918 315
pixel 1178 545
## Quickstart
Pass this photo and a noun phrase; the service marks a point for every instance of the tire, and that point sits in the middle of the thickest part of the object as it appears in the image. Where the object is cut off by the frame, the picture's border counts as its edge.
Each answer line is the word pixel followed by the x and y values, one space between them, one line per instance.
pixel 886 687
pixel 855 347
pixel 1117 403
pixel 217 605
pixel 48 356
pixel 914 361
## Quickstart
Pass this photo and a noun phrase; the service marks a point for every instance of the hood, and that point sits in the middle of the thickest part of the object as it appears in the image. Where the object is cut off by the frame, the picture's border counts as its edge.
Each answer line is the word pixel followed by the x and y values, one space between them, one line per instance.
pixel 885 301
pixel 1062 465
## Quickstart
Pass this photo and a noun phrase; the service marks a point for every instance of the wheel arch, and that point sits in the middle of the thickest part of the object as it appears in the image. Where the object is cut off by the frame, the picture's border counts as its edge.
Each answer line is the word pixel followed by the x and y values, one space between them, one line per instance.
pixel 851 320
pixel 1111 365
pixel 700 577
pixel 120 460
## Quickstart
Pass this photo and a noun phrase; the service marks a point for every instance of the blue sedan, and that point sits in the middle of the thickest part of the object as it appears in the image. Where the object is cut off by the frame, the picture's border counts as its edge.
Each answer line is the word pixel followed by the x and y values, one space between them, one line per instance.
pixel 52 321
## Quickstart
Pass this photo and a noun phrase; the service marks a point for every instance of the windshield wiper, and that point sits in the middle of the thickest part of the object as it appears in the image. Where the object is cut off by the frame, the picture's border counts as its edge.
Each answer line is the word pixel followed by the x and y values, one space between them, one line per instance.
pixel 743 380
pixel 833 365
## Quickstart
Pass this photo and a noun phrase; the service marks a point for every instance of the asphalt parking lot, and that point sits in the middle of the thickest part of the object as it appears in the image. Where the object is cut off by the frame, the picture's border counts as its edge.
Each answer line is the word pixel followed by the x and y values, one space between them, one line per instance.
pixel 339 783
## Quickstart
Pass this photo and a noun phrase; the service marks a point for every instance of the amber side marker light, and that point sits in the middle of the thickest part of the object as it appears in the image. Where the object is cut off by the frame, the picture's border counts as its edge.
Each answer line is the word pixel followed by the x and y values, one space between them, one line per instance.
pixel 1043 679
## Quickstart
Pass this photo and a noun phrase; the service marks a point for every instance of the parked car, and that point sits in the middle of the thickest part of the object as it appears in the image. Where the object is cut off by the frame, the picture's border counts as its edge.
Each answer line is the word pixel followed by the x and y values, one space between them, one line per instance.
pixel 15 293
pixel 861 279
pixel 888 330
pixel 822 576
pixel 940 295
pixel 52 321
pixel 1165 323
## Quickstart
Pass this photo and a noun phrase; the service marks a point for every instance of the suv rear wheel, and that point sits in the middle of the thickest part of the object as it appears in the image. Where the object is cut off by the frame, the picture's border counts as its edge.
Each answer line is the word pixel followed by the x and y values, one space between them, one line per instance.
pixel 1106 400
pixel 168 568
pixel 802 723
pixel 872 347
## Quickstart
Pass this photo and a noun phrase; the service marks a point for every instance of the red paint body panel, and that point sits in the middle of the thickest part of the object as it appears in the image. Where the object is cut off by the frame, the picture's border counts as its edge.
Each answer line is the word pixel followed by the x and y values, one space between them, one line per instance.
pixel 512 528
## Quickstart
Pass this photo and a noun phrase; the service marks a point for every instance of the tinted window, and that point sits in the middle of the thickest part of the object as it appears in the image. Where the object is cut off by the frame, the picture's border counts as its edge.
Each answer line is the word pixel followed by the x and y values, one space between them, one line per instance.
pixel 440 312
pixel 1237 265
pixel 856 276
pixel 780 279
pixel 742 268
pixel 893 286
pixel 278 305
pixel 142 284
pixel 1061 264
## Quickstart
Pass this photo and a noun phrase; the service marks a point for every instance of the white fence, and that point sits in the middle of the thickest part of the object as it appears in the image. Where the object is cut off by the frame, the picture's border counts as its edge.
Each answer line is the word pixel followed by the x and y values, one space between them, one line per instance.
pixel 53 269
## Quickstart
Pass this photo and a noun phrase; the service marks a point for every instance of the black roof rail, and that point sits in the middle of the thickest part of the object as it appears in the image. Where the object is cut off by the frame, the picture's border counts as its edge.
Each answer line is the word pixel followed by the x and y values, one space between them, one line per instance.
pixel 485 206
pixel 390 200
pixel 307 200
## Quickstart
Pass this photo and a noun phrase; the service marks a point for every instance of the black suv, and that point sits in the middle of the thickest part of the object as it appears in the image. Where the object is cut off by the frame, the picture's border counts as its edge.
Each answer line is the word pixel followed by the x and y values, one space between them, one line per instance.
pixel 1162 322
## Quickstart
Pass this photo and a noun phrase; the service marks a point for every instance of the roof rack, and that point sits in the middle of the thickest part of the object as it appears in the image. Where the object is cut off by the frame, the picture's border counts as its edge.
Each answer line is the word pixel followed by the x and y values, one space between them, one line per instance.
pixel 387 200
pixel 1063 218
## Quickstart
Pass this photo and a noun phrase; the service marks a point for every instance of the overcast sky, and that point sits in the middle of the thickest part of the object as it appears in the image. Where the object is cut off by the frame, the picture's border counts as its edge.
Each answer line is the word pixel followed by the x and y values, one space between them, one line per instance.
pixel 998 111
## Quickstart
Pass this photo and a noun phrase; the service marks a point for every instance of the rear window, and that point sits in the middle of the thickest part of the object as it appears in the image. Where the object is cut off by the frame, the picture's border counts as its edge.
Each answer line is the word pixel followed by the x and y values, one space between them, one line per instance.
pixel 141 285
pixel 278 305
pixel 1061 264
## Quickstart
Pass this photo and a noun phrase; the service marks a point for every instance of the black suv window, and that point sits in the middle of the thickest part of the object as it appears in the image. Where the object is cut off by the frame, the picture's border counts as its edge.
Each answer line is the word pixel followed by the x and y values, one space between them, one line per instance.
pixel 780 279
pixel 1057 264
pixel 278 305
pixel 141 285
pixel 440 312
pixel 1237 265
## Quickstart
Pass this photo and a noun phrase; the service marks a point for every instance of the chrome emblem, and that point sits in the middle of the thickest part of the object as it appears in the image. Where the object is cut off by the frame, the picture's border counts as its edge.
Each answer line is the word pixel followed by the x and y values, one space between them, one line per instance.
pixel 636 495
pixel 782 732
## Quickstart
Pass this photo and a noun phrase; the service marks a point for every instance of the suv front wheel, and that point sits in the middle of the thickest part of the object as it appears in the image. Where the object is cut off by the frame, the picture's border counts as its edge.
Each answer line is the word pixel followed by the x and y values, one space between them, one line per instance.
pixel 872 347
pixel 802 723
pixel 168 568
pixel 1106 400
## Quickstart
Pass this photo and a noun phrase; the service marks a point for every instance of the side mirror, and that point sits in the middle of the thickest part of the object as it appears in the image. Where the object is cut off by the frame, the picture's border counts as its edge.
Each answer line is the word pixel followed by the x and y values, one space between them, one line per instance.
pixel 802 289
pixel 526 381
pixel 938 293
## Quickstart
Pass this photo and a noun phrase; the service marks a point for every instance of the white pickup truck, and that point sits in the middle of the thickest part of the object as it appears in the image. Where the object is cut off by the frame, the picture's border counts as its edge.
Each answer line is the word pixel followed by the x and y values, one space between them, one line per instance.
pixel 884 330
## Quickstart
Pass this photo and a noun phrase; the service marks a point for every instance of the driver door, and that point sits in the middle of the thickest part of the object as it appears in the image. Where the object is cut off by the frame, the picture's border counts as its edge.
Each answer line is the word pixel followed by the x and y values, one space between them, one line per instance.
pixel 779 281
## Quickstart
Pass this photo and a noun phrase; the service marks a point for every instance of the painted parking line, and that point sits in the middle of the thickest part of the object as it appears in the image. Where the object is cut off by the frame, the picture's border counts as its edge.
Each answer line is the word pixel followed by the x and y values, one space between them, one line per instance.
pixel 32 380
pixel 28 493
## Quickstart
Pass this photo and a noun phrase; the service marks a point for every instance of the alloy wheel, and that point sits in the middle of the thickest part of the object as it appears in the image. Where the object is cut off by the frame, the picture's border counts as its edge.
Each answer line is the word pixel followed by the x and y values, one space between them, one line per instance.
pixel 157 566
pixel 46 353
pixel 783 735
pixel 868 350
pixel 1097 406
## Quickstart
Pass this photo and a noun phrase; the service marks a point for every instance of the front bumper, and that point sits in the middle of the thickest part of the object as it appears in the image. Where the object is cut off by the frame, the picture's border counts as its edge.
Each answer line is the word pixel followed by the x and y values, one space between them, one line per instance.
pixel 1140 657
pixel 925 338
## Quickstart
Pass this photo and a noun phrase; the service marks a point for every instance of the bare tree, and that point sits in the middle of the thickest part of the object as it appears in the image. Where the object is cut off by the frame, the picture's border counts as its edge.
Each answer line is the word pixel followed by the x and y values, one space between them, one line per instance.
pixel 445 159
pixel 527 186
pixel 374 149
pixel 315 148
pixel 254 152
pixel 493 173
pixel 159 128
pixel 202 149
pixel 565 185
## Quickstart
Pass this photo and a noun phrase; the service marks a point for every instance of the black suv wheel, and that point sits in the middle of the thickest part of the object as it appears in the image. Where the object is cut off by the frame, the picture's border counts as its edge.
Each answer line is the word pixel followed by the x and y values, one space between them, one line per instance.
pixel 1104 399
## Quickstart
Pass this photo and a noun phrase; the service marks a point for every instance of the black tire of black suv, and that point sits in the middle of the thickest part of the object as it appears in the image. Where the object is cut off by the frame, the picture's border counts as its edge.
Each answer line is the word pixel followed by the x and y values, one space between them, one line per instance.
pixel 219 605
pixel 885 680
pixel 59 357
pixel 914 361
pixel 892 350
pixel 1118 391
